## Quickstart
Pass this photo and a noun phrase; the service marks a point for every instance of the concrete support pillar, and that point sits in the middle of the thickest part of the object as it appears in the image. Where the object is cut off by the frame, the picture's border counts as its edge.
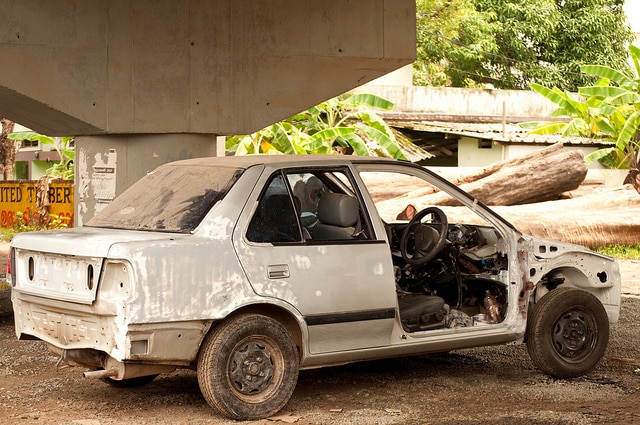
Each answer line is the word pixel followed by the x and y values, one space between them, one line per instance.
pixel 107 165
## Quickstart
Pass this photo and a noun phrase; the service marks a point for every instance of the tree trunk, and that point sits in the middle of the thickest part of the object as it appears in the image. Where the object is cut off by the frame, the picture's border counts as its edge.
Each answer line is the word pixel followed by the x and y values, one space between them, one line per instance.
pixel 540 176
pixel 537 155
pixel 8 149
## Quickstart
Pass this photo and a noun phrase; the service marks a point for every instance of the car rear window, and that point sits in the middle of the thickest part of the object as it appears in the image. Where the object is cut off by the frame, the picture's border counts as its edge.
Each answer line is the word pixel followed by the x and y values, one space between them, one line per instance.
pixel 172 198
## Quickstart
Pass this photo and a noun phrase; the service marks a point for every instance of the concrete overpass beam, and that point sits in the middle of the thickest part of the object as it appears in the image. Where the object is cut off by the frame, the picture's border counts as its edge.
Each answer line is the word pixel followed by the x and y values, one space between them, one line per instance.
pixel 190 66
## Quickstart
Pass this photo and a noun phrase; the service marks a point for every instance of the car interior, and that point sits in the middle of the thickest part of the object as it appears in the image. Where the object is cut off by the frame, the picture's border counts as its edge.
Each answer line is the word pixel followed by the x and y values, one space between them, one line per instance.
pixel 447 274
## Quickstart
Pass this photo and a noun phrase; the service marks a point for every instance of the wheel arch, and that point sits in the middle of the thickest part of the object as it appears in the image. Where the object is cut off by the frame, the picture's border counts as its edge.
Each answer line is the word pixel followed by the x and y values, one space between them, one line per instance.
pixel 566 276
pixel 282 315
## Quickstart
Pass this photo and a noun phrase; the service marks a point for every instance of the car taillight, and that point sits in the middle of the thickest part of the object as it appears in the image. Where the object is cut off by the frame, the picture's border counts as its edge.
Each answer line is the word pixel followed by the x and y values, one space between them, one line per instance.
pixel 11 258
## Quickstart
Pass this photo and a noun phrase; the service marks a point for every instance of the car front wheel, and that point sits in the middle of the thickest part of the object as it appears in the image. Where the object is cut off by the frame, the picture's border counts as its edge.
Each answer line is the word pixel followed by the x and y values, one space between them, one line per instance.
pixel 567 332
pixel 248 367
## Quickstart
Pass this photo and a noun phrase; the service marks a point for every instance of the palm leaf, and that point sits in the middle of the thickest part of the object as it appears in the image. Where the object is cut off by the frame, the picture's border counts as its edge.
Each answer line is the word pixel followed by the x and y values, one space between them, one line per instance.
pixel 626 98
pixel 577 127
pixel 322 141
pixel 550 127
pixel 370 100
pixel 246 146
pixel 556 96
pixel 382 139
pixel 606 127
pixel 530 125
pixel 634 52
pixel 606 72
pixel 598 155
pixel 629 131
pixel 32 136
pixel 358 145
pixel 602 91
pixel 281 140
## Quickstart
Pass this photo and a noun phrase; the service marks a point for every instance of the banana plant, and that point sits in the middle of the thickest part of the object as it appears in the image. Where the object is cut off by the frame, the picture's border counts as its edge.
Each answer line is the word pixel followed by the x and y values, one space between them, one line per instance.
pixel 338 125
pixel 608 110
pixel 63 169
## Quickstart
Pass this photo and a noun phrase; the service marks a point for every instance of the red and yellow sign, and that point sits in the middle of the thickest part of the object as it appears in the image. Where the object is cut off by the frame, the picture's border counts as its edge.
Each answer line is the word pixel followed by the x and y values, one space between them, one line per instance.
pixel 20 197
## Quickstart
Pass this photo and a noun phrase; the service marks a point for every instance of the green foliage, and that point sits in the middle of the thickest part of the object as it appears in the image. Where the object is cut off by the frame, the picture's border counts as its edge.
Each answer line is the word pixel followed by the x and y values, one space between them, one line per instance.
pixel 593 31
pixel 339 125
pixel 63 169
pixel 29 223
pixel 608 110
pixel 623 252
pixel 452 37
pixel 23 224
pixel 511 44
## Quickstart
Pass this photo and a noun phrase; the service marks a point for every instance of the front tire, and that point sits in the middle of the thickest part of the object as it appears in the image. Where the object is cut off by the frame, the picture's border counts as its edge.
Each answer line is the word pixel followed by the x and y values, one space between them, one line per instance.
pixel 567 332
pixel 248 367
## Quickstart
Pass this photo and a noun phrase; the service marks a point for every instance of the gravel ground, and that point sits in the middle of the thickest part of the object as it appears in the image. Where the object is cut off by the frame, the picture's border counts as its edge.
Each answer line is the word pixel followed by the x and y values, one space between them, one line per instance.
pixel 493 385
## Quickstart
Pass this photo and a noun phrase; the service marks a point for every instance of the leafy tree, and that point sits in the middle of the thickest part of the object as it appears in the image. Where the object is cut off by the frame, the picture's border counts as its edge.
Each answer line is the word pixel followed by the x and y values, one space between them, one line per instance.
pixel 450 35
pixel 510 44
pixel 339 125
pixel 589 32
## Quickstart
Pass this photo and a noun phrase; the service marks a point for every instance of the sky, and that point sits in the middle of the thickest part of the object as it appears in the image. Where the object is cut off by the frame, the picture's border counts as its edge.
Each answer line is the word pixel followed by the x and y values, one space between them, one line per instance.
pixel 632 9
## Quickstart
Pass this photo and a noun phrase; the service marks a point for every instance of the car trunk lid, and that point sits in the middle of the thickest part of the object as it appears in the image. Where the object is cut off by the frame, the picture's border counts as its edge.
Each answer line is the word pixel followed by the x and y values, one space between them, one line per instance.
pixel 69 268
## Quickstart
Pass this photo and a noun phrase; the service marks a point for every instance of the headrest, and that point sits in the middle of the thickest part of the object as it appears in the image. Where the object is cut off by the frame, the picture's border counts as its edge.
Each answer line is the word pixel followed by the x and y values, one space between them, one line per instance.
pixel 337 209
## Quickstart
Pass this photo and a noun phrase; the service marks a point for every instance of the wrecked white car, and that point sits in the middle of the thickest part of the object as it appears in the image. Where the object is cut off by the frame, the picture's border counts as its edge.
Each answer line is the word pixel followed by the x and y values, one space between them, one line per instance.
pixel 248 269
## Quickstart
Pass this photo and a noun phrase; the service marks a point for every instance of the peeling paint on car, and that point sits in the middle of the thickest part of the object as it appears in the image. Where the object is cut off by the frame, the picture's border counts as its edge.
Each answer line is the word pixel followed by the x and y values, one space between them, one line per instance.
pixel 333 275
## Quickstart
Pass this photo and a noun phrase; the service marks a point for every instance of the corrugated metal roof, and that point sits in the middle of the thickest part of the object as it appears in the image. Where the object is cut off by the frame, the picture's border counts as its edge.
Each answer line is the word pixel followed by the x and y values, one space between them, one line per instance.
pixel 504 134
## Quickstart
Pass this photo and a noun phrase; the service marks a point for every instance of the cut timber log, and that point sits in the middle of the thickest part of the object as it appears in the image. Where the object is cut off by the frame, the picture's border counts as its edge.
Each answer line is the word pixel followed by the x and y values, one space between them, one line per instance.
pixel 541 176
pixel 534 156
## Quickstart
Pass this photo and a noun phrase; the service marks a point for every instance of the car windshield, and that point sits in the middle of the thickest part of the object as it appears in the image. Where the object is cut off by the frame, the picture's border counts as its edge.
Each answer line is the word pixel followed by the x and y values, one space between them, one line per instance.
pixel 172 198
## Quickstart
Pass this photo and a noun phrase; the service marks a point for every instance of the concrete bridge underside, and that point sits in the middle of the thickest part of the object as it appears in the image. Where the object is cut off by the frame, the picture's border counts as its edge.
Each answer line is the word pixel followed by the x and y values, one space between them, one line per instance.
pixel 115 73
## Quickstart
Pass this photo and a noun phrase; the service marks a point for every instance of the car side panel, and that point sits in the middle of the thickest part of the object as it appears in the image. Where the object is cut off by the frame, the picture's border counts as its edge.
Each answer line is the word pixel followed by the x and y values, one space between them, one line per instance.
pixel 345 292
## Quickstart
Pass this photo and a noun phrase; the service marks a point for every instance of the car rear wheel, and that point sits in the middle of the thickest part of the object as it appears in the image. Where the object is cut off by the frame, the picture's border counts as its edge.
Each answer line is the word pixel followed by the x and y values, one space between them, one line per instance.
pixel 567 332
pixel 248 367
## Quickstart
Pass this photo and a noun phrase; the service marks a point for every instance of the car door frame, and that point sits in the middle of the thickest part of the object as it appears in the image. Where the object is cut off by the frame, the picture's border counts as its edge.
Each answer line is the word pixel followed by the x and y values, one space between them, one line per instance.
pixel 358 310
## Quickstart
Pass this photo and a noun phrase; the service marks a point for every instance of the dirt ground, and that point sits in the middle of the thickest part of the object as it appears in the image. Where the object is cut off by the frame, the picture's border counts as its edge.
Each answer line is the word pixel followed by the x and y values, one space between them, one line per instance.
pixel 494 385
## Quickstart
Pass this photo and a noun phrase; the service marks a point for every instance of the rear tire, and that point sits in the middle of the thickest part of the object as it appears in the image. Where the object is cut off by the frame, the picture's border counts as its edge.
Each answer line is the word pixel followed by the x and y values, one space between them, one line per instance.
pixel 248 367
pixel 567 332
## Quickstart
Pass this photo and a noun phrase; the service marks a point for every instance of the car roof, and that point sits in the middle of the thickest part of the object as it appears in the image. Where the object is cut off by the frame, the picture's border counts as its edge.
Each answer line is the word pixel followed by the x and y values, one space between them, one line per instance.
pixel 246 161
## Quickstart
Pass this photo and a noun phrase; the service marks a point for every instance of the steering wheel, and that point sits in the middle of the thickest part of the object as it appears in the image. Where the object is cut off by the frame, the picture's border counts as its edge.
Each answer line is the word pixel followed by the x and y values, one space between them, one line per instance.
pixel 427 241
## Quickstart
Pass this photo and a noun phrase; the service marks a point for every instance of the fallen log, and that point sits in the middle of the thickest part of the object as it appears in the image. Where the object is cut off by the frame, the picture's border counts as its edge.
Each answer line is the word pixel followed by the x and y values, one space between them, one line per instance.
pixel 537 178
pixel 519 161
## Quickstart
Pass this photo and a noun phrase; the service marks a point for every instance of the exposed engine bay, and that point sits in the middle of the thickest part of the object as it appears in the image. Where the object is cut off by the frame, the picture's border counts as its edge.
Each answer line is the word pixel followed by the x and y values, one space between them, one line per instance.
pixel 469 274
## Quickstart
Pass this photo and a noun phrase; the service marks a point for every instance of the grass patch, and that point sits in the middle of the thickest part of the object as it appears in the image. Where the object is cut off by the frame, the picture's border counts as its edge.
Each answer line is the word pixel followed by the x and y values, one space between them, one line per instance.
pixel 6 234
pixel 623 252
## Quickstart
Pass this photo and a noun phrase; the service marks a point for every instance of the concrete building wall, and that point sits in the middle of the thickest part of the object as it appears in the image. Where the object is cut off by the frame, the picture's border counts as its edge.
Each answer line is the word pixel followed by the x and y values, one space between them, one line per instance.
pixel 464 102
pixel 470 154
